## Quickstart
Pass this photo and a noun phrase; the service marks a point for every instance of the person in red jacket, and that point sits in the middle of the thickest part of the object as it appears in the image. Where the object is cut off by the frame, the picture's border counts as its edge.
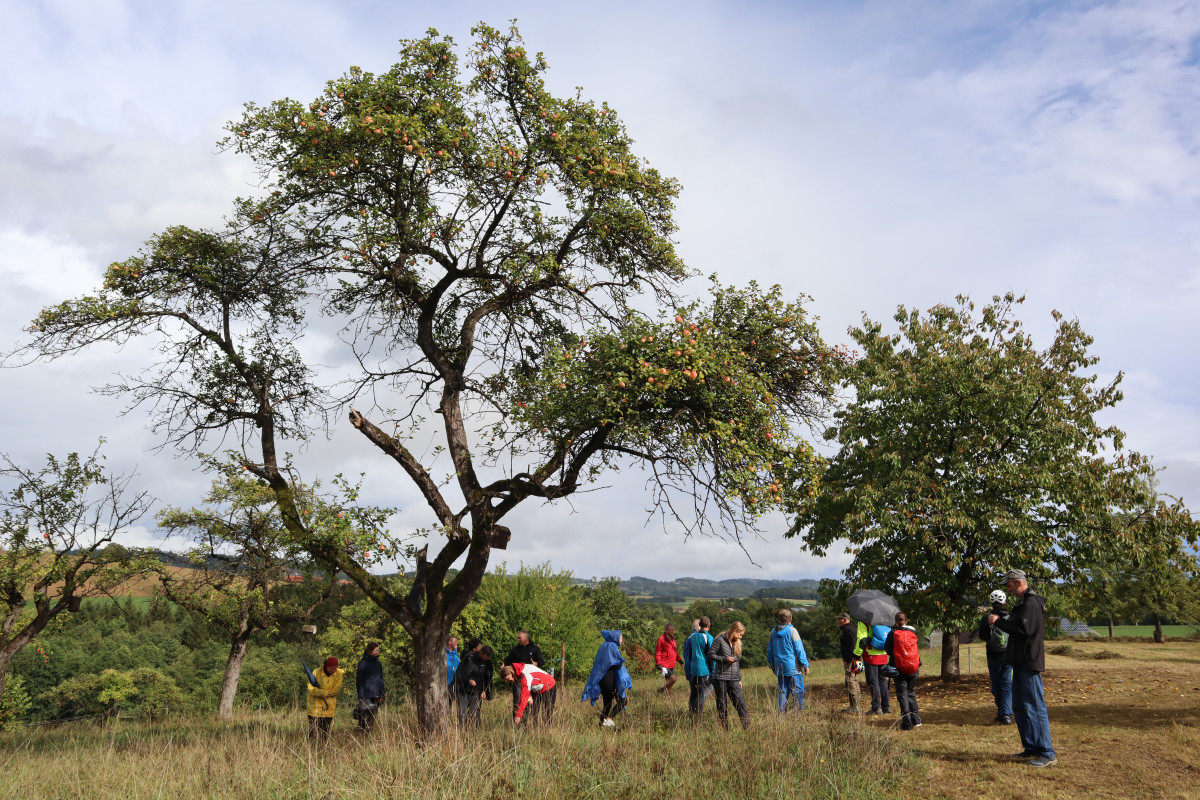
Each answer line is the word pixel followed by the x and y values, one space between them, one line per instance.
pixel 666 656
pixel 533 690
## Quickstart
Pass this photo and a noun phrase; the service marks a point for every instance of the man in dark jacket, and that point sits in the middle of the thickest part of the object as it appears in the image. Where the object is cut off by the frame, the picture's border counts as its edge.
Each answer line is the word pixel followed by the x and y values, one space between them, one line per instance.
pixel 1027 657
pixel 848 644
pixel 368 680
pixel 473 682
pixel 525 652
pixel 999 671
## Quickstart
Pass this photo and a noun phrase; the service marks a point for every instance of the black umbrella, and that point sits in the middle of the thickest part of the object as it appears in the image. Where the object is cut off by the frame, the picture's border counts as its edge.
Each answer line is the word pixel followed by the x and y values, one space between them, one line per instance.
pixel 872 607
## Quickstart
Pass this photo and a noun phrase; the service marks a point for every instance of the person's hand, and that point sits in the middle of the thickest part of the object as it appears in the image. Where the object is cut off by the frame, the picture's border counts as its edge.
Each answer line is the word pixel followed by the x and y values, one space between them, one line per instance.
pixel 516 721
pixel 804 670
pixel 739 684
pixel 992 618
pixel 730 659
pixel 471 682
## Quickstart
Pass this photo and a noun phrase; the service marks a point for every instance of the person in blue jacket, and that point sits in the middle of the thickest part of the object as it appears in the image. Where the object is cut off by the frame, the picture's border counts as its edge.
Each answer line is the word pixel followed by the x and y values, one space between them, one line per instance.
pixel 609 678
pixel 787 659
pixel 453 659
pixel 696 666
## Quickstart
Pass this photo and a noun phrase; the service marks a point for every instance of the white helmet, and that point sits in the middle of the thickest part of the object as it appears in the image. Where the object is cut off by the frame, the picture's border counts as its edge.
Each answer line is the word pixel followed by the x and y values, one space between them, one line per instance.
pixel 998 596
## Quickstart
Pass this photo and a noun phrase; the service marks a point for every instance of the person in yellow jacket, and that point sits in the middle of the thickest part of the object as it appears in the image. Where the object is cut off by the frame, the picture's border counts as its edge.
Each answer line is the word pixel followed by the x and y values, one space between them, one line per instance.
pixel 322 698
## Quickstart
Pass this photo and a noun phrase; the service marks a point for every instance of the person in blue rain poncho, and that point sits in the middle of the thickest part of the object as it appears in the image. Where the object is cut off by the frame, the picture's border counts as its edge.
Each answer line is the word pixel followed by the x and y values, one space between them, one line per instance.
pixel 609 678
pixel 787 659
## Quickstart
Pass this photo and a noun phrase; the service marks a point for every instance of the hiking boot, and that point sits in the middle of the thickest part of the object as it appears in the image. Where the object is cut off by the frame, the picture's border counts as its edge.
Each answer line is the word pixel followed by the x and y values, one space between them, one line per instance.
pixel 850 710
pixel 1043 761
pixel 607 723
pixel 1006 720
pixel 874 713
pixel 1024 755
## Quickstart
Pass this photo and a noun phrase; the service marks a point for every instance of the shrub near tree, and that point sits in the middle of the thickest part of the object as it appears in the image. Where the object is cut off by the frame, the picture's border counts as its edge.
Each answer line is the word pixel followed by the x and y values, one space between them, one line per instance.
pixel 144 690
pixel 967 451
pixel 487 245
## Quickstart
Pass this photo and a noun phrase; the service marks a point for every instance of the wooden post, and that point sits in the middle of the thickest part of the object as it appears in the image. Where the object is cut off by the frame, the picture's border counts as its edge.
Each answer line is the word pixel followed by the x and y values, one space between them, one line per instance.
pixel 563 664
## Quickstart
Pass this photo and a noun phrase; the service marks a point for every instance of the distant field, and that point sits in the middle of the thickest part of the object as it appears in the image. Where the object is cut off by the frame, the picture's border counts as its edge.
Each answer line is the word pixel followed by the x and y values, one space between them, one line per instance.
pixel 1145 630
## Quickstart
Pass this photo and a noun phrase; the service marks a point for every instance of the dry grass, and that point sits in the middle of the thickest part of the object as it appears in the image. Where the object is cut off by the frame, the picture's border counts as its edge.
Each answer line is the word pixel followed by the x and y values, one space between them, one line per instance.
pixel 1124 727
pixel 654 753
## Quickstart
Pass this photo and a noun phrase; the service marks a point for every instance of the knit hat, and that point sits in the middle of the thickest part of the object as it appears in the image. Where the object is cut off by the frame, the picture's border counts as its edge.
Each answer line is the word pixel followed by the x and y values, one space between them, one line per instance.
pixel 331 664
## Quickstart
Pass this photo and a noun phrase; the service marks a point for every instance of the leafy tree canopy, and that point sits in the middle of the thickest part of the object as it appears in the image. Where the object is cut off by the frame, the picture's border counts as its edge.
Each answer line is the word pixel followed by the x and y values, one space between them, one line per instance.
pixel 967 451
pixel 489 251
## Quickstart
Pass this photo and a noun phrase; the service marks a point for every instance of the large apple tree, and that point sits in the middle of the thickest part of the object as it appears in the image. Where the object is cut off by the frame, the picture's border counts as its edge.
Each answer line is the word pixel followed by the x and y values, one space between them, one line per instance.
pixel 966 451
pixel 501 264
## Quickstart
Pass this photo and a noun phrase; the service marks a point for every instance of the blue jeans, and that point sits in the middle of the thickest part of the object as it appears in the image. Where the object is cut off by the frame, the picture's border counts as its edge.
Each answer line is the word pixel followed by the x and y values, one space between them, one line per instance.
pixel 1001 675
pixel 1029 709
pixel 791 686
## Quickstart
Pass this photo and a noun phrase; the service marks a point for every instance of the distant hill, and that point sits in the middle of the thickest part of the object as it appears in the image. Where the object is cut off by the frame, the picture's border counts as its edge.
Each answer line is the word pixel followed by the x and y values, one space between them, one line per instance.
pixel 733 587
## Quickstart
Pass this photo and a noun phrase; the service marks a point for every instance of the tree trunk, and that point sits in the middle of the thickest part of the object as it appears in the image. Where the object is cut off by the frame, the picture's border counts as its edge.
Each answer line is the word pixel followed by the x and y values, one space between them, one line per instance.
pixel 1110 627
pixel 233 671
pixel 429 679
pixel 950 671
pixel 1158 636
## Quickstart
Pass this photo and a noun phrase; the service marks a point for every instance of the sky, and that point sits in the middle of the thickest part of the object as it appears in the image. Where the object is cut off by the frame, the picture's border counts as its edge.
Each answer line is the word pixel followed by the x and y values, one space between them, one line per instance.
pixel 866 154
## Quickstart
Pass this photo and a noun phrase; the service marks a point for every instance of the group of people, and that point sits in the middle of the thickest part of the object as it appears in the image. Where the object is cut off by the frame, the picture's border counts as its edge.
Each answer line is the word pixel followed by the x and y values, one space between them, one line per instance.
pixel 712 665
pixel 1016 656
pixel 883 653
pixel 469 680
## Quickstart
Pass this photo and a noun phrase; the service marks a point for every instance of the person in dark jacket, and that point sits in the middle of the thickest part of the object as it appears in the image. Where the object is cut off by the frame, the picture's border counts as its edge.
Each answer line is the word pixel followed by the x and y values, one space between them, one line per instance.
pixel 848 644
pixel 1027 657
pixel 368 681
pixel 525 652
pixel 473 683
pixel 999 670
pixel 725 653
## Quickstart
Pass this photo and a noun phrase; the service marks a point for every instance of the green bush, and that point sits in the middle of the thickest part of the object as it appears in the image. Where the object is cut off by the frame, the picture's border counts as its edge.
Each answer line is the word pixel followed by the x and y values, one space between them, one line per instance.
pixel 14 704
pixel 111 692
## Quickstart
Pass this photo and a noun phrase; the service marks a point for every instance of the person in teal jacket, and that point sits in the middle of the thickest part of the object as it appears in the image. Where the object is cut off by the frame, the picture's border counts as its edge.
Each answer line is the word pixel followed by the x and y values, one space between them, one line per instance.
pixel 696 666
pixel 787 659
pixel 453 659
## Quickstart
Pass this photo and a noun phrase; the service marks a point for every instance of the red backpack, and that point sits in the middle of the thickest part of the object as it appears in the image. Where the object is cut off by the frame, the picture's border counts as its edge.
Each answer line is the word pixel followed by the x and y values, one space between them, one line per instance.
pixel 904 648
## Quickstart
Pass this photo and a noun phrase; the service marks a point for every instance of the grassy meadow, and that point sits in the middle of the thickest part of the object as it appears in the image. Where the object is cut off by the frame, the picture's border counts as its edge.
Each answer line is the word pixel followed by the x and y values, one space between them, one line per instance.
pixel 1125 717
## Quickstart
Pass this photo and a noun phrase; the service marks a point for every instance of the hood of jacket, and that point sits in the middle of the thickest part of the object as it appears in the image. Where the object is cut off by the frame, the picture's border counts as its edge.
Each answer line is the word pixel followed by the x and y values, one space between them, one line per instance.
pixel 611 636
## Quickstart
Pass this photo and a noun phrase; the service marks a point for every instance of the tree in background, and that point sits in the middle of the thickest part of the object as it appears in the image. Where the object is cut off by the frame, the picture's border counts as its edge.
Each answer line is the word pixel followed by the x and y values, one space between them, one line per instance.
pixel 237 573
pixel 967 451
pixel 545 603
pixel 1161 576
pixel 486 245
pixel 57 526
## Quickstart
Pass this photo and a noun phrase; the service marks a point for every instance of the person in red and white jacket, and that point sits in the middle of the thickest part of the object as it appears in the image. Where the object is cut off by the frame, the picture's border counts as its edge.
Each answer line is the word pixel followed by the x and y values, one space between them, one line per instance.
pixel 666 657
pixel 533 690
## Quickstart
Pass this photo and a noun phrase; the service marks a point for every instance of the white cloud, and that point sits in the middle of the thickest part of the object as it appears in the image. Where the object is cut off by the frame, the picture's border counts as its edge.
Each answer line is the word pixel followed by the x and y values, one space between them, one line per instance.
pixel 867 154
